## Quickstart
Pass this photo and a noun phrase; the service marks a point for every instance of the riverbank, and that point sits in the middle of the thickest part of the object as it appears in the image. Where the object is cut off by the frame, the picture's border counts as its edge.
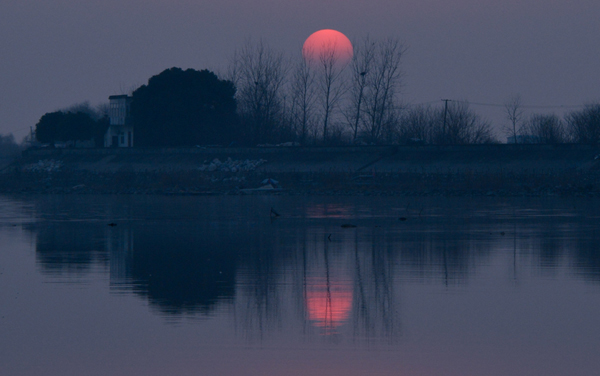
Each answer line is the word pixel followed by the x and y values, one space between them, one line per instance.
pixel 470 170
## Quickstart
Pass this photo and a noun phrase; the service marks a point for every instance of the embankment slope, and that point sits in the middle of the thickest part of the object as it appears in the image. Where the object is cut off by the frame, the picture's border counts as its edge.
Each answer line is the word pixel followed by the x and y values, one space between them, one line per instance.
pixel 389 170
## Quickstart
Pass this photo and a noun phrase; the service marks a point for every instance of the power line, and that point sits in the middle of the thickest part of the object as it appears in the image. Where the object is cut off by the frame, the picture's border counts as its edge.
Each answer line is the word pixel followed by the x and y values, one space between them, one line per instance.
pixel 424 103
pixel 563 106
pixel 523 106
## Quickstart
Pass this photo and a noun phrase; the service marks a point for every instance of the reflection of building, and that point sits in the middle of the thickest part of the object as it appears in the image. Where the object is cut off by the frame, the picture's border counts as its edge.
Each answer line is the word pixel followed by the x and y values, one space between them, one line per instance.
pixel 119 248
pixel 120 130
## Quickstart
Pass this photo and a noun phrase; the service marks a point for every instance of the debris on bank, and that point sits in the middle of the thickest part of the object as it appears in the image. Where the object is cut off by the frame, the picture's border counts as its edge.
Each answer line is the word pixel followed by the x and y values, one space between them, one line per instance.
pixel 45 165
pixel 271 181
pixel 264 188
pixel 231 165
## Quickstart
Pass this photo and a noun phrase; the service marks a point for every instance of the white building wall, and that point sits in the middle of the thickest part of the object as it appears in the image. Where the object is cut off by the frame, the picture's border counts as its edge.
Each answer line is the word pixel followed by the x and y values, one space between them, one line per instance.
pixel 122 134
pixel 120 131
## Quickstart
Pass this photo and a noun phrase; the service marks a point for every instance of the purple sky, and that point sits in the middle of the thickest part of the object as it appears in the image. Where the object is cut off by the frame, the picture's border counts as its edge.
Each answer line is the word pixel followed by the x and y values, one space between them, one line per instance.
pixel 61 52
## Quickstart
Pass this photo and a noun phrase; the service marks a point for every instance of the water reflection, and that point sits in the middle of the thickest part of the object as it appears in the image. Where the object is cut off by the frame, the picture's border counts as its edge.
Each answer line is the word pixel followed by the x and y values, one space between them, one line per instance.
pixel 304 268
pixel 178 267
pixel 328 303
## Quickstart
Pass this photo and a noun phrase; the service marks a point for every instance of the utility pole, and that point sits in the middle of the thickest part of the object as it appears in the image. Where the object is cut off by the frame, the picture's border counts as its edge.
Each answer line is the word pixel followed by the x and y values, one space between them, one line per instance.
pixel 445 113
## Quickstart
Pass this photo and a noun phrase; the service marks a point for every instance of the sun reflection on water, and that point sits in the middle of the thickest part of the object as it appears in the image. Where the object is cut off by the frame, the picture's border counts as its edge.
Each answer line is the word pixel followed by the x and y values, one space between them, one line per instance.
pixel 328 303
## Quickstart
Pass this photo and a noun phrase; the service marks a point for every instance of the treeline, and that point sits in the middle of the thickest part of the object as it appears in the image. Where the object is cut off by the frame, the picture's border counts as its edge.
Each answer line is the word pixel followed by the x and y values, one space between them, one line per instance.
pixel 78 123
pixel 461 127
pixel 282 100
pixel 321 100
pixel 185 108
pixel 8 147
pixel 265 97
pixel 581 127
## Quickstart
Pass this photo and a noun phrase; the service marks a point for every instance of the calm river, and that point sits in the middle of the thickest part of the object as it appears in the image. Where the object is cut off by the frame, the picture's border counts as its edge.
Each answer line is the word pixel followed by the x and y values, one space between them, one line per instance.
pixel 144 285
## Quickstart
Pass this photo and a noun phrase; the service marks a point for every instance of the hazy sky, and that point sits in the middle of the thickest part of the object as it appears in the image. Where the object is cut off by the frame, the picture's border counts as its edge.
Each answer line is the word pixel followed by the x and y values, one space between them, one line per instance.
pixel 55 53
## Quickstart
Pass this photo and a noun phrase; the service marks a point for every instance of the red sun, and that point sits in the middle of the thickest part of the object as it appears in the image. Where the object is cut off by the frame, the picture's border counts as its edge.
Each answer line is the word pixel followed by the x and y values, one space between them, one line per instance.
pixel 329 44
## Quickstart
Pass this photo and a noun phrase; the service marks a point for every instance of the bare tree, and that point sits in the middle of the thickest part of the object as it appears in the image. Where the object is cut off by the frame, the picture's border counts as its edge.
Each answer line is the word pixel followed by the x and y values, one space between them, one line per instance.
pixel 259 74
pixel 383 82
pixel 426 124
pixel 545 129
pixel 360 67
pixel 303 97
pixel 463 126
pixel 329 68
pixel 514 113
pixel 417 125
pixel 584 125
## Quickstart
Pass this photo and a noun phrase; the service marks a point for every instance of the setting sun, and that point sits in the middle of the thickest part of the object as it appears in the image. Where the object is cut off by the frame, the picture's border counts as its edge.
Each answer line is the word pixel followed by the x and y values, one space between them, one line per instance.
pixel 327 42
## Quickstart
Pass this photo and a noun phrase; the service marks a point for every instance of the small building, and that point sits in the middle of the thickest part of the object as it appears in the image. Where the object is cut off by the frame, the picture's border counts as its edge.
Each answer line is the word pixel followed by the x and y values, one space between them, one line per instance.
pixel 120 130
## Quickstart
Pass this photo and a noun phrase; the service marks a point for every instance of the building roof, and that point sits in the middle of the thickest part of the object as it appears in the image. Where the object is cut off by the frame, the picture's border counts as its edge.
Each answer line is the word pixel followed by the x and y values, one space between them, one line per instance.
pixel 118 96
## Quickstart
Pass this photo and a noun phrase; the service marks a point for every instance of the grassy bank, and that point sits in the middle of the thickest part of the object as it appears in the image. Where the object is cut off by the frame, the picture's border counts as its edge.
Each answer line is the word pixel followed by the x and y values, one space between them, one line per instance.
pixel 493 170
pixel 496 183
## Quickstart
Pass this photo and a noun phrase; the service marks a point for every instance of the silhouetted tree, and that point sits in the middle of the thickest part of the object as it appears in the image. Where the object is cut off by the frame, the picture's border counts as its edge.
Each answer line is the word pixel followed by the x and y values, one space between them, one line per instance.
pixel 303 95
pixel 62 126
pixel 360 67
pixel 8 146
pixel 584 126
pixel 100 116
pixel 417 125
pixel 46 130
pixel 184 108
pixel 383 82
pixel 545 129
pixel 514 114
pixel 100 129
pixel 86 108
pixel 329 68
pixel 464 126
pixel 259 73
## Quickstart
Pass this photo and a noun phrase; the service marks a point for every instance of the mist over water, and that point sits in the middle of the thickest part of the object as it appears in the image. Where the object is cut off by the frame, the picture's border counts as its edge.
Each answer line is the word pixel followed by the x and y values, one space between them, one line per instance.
pixel 215 285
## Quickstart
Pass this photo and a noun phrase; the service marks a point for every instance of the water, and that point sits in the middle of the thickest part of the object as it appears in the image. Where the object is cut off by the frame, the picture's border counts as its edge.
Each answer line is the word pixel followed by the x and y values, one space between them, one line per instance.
pixel 216 286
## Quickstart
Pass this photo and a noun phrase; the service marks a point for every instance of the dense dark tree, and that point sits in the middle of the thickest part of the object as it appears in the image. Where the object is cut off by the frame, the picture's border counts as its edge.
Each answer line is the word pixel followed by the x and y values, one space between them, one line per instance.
pixel 8 146
pixel 46 130
pixel 100 129
pixel 65 126
pixel 184 108
pixel 86 108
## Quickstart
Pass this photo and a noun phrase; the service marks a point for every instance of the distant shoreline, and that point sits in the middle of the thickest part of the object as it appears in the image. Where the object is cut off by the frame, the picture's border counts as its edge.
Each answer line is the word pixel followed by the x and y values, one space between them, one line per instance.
pixel 470 170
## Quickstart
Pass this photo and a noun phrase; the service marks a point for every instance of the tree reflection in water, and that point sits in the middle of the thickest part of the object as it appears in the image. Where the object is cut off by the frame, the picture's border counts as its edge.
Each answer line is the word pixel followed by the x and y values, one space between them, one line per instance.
pixel 304 273
pixel 328 294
